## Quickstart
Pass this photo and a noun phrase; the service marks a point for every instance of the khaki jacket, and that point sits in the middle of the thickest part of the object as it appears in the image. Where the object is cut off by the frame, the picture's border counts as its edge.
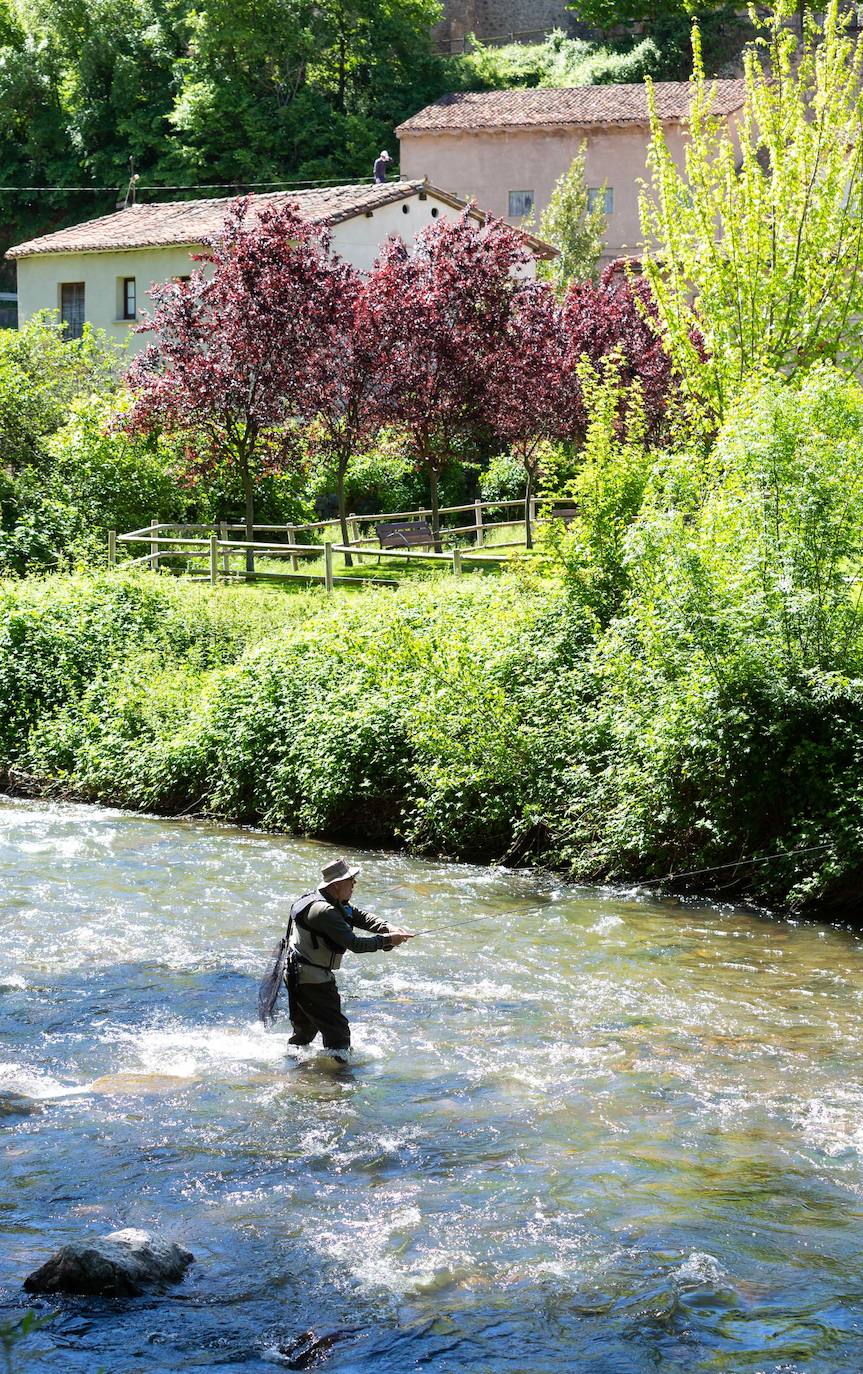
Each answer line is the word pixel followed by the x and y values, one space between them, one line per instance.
pixel 319 940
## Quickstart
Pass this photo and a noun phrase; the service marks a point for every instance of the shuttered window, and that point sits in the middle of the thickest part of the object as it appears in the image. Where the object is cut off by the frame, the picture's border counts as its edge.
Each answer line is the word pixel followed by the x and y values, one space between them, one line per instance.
pixel 603 197
pixel 520 204
pixel 72 308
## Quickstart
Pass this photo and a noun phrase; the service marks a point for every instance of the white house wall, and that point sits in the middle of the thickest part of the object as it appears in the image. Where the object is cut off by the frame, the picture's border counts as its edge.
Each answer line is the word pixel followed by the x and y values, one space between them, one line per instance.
pixel 41 276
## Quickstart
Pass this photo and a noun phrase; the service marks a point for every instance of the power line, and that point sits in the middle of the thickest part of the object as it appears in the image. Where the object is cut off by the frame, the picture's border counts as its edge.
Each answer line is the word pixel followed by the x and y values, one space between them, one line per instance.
pixel 202 186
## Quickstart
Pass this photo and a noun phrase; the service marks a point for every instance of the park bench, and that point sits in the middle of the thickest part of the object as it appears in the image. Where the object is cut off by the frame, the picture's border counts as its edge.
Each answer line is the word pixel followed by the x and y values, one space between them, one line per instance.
pixel 563 510
pixel 404 534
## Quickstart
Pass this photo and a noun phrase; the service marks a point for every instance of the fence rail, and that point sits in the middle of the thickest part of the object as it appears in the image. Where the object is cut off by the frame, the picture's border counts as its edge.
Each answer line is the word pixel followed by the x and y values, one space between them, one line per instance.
pixel 213 543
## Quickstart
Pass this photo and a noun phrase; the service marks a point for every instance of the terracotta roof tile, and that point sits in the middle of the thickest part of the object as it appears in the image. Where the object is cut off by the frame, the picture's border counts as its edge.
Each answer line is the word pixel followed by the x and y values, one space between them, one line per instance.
pixel 581 106
pixel 183 222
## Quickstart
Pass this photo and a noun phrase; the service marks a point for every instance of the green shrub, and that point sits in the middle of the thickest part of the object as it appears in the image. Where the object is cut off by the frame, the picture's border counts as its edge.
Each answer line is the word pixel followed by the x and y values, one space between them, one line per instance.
pixel 375 718
pixel 556 61
pixel 41 374
pixel 607 492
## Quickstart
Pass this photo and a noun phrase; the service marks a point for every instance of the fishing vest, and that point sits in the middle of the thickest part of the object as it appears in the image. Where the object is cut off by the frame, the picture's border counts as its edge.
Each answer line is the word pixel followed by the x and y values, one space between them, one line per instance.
pixel 310 946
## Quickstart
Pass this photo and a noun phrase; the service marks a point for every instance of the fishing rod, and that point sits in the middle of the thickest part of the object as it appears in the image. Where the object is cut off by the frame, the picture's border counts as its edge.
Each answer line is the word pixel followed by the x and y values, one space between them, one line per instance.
pixel 652 882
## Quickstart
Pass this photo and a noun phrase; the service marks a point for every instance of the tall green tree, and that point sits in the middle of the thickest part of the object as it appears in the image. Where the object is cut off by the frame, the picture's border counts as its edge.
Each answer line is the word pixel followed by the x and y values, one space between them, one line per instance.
pixel 754 248
pixel 575 224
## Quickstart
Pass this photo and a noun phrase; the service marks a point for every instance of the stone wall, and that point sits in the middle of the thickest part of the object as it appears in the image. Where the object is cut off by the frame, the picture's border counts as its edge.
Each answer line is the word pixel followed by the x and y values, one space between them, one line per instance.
pixel 491 20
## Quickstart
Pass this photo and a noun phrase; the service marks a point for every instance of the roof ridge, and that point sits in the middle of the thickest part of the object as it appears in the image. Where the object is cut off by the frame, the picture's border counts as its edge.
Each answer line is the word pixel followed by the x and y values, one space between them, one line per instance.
pixel 187 223
pixel 526 106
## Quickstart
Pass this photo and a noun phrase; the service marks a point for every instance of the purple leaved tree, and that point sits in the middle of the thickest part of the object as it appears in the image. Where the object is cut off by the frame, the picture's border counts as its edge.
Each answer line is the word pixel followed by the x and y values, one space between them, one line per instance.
pixel 232 365
pixel 440 312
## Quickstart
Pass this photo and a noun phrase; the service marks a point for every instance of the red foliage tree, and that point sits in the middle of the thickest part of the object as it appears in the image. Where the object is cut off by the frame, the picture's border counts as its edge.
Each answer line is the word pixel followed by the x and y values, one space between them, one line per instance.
pixel 617 315
pixel 344 395
pixel 440 312
pixel 528 400
pixel 236 347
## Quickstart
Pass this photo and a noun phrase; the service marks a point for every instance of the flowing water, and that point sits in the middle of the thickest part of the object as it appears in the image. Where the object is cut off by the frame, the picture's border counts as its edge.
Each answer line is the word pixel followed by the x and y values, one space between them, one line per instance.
pixel 593 1132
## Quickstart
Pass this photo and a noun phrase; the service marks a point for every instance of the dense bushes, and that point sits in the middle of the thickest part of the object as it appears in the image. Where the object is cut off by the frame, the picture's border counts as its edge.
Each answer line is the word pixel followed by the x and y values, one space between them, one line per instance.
pixel 469 719
pixel 374 719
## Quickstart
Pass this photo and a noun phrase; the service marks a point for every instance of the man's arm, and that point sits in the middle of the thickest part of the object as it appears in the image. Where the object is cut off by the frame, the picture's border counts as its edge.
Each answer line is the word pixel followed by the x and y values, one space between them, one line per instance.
pixel 326 919
pixel 366 921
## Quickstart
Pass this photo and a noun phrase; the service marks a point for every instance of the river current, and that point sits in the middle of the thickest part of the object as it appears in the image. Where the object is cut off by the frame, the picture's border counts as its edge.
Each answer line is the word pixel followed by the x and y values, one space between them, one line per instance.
pixel 594 1132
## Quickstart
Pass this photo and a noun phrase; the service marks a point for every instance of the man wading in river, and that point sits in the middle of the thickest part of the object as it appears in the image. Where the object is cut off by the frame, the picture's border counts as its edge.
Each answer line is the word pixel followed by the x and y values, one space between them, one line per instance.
pixel 323 924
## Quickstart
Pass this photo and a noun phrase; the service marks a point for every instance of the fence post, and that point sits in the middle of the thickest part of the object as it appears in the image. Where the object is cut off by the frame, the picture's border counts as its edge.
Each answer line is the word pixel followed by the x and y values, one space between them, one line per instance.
pixel 112 548
pixel 154 548
pixel 223 535
pixel 214 559
pixel 328 567
pixel 456 562
pixel 292 539
pixel 478 508
pixel 532 508
pixel 354 528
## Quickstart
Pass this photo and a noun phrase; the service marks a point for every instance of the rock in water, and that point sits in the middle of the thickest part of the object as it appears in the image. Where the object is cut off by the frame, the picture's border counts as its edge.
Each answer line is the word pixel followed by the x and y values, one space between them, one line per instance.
pixel 311 1350
pixel 119 1265
pixel 16 1104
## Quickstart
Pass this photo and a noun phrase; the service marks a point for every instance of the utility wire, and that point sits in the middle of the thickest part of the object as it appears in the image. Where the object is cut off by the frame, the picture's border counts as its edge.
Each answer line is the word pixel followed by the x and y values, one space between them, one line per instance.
pixel 206 185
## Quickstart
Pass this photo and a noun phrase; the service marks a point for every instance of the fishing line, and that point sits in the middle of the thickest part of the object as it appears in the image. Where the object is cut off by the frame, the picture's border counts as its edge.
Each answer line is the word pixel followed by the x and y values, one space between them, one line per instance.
pixel 652 882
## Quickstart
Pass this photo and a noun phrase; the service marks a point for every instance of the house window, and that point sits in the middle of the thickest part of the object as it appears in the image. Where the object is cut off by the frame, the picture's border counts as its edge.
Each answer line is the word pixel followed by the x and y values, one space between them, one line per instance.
pixel 72 308
pixel 128 303
pixel 602 196
pixel 520 204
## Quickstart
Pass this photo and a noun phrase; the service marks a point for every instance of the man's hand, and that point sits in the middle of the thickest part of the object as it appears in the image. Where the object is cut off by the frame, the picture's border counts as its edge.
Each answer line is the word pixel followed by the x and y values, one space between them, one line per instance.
pixel 398 937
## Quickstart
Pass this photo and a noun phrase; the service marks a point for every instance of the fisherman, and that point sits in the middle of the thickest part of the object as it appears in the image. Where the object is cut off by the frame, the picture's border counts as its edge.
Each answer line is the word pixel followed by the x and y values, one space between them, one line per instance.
pixel 323 924
pixel 381 166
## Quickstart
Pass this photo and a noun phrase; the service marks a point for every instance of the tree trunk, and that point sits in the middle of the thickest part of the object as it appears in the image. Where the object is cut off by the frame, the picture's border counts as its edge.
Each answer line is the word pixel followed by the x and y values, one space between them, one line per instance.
pixel 343 514
pixel 249 493
pixel 343 75
pixel 528 493
pixel 433 489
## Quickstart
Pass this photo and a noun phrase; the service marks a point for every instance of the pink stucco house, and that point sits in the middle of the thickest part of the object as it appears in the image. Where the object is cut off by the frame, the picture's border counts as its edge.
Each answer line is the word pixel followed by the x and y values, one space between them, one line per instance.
pixel 506 149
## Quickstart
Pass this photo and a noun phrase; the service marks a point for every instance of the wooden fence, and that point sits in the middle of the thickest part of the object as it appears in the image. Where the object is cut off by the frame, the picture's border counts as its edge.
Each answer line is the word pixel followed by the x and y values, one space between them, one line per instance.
pixel 214 546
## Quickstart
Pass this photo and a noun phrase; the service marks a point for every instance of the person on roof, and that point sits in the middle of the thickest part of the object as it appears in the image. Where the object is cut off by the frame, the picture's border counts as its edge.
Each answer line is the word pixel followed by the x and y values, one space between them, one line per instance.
pixel 381 167
pixel 323 924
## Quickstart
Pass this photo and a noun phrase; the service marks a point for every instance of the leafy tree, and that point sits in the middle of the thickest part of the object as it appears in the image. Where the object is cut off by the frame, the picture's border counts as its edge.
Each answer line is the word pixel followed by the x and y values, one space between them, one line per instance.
pixel 607 491
pixel 755 247
pixel 611 14
pixel 574 227
pixel 617 316
pixel 236 348
pixel 445 306
pixel 41 373
pixel 528 392
pixel 344 394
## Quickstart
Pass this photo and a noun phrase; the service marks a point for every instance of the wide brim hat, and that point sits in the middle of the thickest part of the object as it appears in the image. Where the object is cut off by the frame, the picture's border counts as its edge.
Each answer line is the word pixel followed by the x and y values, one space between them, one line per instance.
pixel 385 155
pixel 336 872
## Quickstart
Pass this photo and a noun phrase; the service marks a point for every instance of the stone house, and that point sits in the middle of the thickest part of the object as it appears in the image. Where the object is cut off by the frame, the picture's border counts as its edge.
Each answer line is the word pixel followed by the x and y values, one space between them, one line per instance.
pixel 507 149
pixel 101 271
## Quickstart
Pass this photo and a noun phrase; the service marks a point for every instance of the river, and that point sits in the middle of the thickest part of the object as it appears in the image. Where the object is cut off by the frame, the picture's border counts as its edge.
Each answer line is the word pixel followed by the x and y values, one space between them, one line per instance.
pixel 593 1132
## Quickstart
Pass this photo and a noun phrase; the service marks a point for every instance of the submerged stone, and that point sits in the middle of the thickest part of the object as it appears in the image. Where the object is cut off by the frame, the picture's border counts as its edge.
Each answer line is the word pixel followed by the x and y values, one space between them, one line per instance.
pixel 310 1350
pixel 121 1264
pixel 16 1104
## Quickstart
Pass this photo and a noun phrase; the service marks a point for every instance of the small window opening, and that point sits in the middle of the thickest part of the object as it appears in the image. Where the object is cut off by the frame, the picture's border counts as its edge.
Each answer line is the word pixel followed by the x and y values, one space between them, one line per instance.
pixel 130 309
pixel 72 308
pixel 405 209
pixel 520 204
pixel 435 212
pixel 602 196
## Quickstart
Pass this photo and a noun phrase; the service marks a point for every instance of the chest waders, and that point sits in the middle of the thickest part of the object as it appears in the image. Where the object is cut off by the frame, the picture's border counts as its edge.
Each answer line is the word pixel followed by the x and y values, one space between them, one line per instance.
pixel 300 944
